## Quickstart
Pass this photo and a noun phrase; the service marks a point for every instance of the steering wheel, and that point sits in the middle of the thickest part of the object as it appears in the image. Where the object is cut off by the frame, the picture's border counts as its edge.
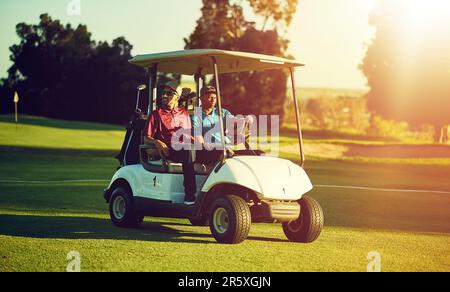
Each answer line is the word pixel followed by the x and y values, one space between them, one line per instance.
pixel 244 135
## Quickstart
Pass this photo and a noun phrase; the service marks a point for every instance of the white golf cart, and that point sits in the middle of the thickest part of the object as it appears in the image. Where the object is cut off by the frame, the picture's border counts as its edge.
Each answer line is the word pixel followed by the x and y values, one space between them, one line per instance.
pixel 234 192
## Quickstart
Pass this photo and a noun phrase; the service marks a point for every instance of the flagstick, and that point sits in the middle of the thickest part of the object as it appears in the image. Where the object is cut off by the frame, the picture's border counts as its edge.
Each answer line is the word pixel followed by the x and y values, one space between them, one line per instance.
pixel 17 120
pixel 16 102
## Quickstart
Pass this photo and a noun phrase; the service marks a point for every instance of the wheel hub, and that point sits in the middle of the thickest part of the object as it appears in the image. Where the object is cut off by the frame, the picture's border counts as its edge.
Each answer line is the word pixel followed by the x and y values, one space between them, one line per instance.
pixel 296 226
pixel 119 207
pixel 221 220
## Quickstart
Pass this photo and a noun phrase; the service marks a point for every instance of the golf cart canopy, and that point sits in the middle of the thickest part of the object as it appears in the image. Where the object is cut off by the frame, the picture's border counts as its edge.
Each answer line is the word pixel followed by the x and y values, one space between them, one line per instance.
pixel 189 62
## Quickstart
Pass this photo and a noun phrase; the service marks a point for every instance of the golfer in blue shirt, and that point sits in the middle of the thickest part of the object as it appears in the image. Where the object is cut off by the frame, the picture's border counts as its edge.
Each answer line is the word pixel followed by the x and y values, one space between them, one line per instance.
pixel 209 136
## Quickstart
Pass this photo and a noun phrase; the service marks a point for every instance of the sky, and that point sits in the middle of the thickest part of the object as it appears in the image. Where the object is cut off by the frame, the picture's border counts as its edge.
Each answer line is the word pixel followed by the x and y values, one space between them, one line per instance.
pixel 329 36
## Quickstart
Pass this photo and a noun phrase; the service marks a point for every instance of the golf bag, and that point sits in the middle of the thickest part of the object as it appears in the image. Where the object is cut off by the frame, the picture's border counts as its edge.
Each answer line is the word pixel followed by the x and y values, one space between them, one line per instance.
pixel 129 154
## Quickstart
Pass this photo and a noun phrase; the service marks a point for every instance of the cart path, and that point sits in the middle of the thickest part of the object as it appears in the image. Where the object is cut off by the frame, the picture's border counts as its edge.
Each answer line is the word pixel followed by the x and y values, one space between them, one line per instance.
pixel 316 186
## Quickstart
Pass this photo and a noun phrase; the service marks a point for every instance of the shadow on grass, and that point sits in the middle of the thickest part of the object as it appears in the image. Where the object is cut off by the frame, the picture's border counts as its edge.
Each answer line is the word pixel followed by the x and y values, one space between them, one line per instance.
pixel 54 227
pixel 91 228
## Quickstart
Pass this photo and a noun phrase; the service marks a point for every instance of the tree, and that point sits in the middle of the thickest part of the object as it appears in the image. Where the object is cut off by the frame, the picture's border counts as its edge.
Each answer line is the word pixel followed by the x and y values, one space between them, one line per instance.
pixel 408 64
pixel 61 72
pixel 278 10
pixel 223 26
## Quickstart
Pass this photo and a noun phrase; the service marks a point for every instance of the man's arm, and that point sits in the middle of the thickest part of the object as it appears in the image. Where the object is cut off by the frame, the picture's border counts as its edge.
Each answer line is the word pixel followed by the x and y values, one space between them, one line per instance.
pixel 163 149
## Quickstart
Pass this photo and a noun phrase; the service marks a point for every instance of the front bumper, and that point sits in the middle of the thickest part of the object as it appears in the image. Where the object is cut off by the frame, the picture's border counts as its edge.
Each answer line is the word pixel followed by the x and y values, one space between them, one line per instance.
pixel 275 212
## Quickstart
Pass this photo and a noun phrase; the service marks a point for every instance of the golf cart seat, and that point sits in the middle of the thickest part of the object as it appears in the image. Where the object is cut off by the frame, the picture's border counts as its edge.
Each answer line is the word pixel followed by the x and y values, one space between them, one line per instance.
pixel 152 161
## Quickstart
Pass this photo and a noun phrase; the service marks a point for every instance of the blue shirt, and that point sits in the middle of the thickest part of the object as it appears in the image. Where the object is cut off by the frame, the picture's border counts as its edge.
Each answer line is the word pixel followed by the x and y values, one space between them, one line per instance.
pixel 210 126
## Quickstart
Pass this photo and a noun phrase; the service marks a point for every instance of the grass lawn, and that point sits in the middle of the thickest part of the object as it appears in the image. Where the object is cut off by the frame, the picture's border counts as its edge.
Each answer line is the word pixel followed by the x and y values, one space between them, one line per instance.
pixel 41 223
pixel 55 134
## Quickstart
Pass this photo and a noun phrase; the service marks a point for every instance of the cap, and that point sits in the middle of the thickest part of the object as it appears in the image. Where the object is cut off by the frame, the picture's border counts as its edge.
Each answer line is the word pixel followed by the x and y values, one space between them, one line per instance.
pixel 208 89
pixel 172 85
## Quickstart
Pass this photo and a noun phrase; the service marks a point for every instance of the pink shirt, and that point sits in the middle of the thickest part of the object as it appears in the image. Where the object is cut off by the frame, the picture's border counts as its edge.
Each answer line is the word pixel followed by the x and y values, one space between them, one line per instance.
pixel 170 126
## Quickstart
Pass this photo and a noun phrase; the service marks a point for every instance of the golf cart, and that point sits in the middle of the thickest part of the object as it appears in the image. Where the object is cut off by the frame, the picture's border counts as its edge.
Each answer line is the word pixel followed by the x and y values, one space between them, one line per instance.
pixel 233 193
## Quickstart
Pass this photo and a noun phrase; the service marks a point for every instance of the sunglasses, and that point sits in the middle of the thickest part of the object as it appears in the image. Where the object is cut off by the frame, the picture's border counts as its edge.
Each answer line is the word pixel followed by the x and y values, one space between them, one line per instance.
pixel 169 93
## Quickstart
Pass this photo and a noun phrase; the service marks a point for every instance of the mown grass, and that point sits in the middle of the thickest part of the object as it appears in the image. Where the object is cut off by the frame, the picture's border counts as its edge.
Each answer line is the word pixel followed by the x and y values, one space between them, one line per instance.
pixel 41 243
pixel 41 223
pixel 35 132
pixel 50 133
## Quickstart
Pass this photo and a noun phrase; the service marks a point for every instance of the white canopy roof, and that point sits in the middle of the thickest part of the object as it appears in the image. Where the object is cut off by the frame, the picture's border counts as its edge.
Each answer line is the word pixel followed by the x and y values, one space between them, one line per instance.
pixel 188 62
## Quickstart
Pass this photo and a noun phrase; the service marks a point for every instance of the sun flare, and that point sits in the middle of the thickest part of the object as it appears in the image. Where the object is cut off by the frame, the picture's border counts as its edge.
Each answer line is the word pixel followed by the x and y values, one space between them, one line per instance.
pixel 431 16
pixel 418 25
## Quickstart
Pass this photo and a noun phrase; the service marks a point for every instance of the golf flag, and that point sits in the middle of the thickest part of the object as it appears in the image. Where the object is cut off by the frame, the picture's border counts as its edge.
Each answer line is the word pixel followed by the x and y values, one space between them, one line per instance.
pixel 16 101
pixel 16 97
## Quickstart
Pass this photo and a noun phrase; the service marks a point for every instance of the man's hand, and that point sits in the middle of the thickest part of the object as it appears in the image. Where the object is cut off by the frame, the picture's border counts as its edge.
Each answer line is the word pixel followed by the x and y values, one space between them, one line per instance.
pixel 230 153
pixel 162 148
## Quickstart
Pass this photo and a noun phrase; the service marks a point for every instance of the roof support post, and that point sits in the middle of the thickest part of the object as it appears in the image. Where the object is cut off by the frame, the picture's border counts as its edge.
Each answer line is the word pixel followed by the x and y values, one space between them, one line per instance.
pixel 219 105
pixel 199 82
pixel 297 115
pixel 152 88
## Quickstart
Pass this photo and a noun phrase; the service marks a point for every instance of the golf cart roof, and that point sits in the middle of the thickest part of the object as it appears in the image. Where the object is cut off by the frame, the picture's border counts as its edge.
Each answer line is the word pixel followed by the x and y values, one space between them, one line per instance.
pixel 188 62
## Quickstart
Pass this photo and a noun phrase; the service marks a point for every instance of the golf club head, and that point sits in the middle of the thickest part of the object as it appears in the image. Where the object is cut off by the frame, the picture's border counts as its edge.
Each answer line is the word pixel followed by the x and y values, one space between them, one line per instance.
pixel 142 87
pixel 188 97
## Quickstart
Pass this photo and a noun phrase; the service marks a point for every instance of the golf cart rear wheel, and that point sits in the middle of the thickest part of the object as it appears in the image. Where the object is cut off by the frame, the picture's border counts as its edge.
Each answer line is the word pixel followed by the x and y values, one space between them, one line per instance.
pixel 309 225
pixel 230 219
pixel 121 209
pixel 199 222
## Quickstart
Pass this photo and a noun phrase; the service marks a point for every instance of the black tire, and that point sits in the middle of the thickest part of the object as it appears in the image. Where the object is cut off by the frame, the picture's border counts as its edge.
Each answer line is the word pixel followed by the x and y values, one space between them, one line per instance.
pixel 199 222
pixel 130 218
pixel 310 224
pixel 237 221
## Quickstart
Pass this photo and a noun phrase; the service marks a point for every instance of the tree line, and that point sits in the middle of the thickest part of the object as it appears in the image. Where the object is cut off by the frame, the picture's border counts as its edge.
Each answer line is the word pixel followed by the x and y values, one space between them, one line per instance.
pixel 61 72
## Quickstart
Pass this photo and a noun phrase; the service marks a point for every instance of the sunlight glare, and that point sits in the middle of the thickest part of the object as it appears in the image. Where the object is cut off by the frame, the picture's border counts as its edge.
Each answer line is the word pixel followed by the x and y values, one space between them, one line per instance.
pixel 428 15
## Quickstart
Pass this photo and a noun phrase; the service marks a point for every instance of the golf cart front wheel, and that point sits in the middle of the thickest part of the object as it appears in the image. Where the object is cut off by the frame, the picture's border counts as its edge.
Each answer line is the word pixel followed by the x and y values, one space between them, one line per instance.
pixel 230 220
pixel 309 225
pixel 121 209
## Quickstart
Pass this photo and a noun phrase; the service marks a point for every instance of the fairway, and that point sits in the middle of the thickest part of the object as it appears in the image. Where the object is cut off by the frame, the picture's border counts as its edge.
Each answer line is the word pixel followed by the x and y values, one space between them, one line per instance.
pixel 40 223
